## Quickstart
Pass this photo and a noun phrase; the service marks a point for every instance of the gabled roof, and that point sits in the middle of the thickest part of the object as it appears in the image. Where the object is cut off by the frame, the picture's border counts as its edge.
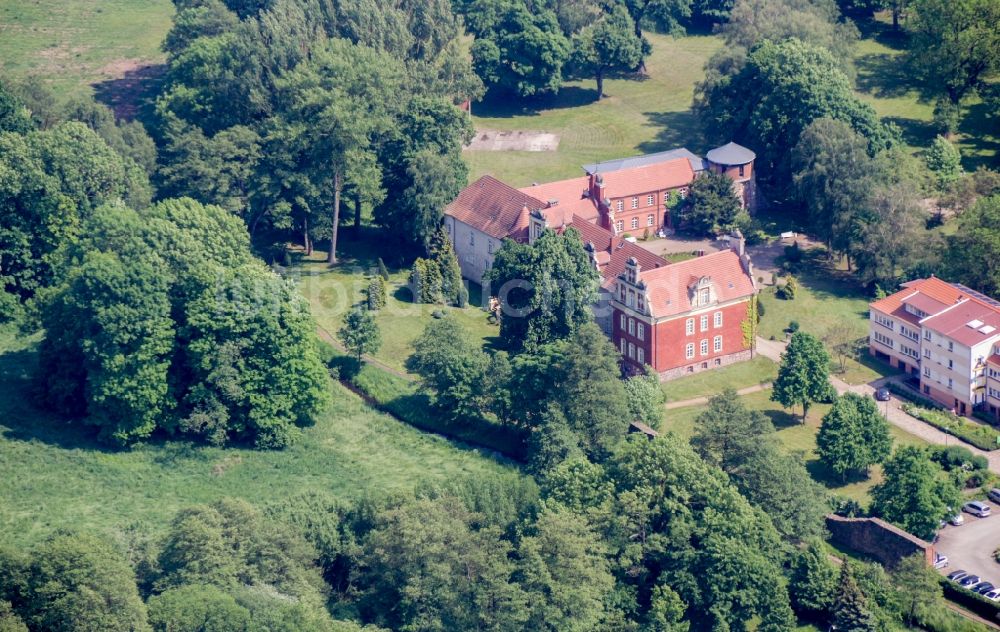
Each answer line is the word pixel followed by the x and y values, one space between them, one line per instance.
pixel 697 162
pixel 669 286
pixel 612 251
pixel 569 198
pixel 941 292
pixel 730 154
pixel 970 322
pixel 994 359
pixel 662 175
pixel 493 207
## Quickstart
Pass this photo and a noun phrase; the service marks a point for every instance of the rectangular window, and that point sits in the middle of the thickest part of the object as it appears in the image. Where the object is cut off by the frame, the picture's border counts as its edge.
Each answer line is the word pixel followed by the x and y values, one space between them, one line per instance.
pixel 635 223
pixel 689 350
pixel 650 200
pixel 631 298
pixel 717 344
pixel 689 326
pixel 623 322
pixel 927 334
pixel 472 239
pixel 951 346
pixel 620 205
pixel 490 247
pixel 631 326
pixel 683 192
pixel 704 347
pixel 640 355
pixel 621 292
pixel 640 302
pixel 718 319
pixel 640 331
pixel 927 371
pixel 619 226
pixel 741 171
pixel 950 383
pixel 704 323
pixel 650 220
pixel 927 353
pixel 631 350
pixel 885 340
pixel 635 202
pixel 951 364
pixel 622 345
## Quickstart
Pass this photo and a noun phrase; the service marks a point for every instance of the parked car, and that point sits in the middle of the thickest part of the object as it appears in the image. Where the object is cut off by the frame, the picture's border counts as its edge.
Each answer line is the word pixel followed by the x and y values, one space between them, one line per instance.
pixel 882 394
pixel 940 561
pixel 976 508
pixel 957 520
pixel 982 588
pixel 969 580
pixel 994 495
pixel 993 595
pixel 957 575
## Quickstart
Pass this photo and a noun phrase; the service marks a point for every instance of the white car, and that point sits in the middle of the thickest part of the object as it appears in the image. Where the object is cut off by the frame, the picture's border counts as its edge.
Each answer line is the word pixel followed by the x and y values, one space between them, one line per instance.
pixel 976 508
pixel 957 520
pixel 940 561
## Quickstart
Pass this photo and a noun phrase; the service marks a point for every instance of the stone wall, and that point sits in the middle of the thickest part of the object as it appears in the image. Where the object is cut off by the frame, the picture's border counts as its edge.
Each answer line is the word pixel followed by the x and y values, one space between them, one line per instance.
pixel 877 539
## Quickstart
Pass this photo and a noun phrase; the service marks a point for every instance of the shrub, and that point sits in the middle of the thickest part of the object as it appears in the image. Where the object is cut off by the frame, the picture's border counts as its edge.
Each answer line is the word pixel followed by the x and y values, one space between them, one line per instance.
pixel 983 437
pixel 376 293
pixel 382 270
pixel 793 326
pixel 788 290
pixel 793 254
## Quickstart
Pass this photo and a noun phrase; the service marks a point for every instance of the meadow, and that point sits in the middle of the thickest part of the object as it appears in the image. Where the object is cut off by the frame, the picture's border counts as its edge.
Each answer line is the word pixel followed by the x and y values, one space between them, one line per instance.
pixel 53 475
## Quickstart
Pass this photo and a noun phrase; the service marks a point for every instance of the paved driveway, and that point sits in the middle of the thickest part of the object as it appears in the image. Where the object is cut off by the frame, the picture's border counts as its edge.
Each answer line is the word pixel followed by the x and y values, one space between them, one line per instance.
pixel 970 547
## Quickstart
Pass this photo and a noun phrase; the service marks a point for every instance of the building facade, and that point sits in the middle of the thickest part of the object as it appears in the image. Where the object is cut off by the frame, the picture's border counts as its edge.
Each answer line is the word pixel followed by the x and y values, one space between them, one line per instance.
pixel 685 317
pixel 946 337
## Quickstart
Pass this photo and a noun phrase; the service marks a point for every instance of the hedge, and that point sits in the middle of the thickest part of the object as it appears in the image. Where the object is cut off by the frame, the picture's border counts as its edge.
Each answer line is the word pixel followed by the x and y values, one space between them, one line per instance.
pixel 983 437
pixel 970 600
pixel 913 396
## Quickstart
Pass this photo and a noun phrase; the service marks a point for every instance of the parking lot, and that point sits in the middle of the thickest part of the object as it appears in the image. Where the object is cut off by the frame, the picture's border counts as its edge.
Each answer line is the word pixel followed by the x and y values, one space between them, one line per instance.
pixel 970 546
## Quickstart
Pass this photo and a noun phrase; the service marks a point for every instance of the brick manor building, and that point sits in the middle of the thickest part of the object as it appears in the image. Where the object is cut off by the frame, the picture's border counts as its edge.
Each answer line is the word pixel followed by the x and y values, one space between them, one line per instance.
pixel 677 318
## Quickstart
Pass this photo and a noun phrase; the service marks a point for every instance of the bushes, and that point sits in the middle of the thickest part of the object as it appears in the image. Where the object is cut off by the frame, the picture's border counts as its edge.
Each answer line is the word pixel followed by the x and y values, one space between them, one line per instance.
pixel 912 395
pixel 983 437
pixel 376 292
pixel 788 290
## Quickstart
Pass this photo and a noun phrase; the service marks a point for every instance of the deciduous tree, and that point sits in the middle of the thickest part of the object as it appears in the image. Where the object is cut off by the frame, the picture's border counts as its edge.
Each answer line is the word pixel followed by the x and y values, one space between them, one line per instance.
pixel 360 333
pixel 804 374
pixel 915 493
pixel 853 436
pixel 611 43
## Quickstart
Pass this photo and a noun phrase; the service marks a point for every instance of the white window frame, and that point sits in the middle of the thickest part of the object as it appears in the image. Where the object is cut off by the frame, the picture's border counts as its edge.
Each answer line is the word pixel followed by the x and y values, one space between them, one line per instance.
pixel 631 351
pixel 635 223
pixel 621 344
pixel 623 321
pixel 703 347
pixel 650 220
pixel 717 344
pixel 620 226
pixel 650 199
pixel 640 331
pixel 704 322
pixel 620 205
pixel 689 327
pixel 640 355
pixel 689 351
pixel 631 326
pixel 635 202
pixel 718 319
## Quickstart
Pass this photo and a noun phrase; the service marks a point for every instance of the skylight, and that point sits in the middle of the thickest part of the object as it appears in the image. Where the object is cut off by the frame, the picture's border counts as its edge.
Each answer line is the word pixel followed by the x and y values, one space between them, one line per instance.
pixel 975 324
pixel 988 329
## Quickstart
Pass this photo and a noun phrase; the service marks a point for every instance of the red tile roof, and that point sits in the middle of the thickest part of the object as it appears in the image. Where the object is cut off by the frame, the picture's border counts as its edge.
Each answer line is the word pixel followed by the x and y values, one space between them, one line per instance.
pixel 934 288
pixel 663 175
pixel 954 322
pixel 612 252
pixel 493 207
pixel 569 195
pixel 669 286
pixel 994 359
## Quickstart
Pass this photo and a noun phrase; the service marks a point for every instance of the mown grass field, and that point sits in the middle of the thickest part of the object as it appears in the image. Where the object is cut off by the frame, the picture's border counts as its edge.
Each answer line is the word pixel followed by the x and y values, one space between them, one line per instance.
pixel 332 292
pixel 638 115
pixel 73 43
pixel 795 436
pixel 737 376
pixel 53 476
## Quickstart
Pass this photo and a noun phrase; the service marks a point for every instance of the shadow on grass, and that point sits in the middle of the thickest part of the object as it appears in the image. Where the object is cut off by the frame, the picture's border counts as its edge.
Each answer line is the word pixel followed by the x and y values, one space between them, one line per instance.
pixel 884 75
pixel 783 419
pixel 506 106
pixel 676 129
pixel 982 131
pixel 132 95
pixel 830 479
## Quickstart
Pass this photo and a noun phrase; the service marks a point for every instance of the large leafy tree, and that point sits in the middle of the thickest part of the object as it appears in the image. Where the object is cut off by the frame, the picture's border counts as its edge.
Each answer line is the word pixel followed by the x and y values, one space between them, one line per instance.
pixel 813 580
pixel 766 100
pixel 915 494
pixel 360 333
pixel 955 47
pixel 517 51
pixel 711 205
pixel 816 22
pixel 804 374
pixel 977 239
pixel 165 320
pixel 853 436
pixel 452 367
pixel 545 288
pixel 609 44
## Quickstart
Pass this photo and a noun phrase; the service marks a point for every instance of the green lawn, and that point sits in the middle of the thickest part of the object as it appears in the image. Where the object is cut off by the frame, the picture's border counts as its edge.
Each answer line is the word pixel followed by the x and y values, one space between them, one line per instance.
pixel 52 476
pixel 72 44
pixel 637 116
pixel 794 437
pixel 333 291
pixel 707 383
pixel 883 81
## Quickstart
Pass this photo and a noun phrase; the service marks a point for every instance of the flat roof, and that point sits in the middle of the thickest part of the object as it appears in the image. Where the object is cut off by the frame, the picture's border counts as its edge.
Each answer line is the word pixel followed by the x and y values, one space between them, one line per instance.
pixel 697 162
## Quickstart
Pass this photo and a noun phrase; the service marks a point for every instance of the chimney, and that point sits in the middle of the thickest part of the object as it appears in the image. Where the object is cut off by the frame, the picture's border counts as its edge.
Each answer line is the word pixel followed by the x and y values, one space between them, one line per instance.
pixel 738 243
pixel 553 202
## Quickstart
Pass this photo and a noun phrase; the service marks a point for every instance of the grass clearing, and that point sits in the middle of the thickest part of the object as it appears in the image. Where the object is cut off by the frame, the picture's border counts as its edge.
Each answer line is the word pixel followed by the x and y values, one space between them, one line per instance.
pixel 759 370
pixel 638 115
pixel 795 437
pixel 332 292
pixel 72 44
pixel 53 476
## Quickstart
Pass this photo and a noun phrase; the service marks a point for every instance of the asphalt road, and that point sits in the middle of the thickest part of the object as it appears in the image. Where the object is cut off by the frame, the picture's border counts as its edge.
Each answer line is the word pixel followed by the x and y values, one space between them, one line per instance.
pixel 970 547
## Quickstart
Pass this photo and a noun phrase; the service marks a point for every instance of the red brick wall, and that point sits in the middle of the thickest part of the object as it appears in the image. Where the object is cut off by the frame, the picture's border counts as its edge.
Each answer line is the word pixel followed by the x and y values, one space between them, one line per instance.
pixel 670 340
pixel 618 334
pixel 658 209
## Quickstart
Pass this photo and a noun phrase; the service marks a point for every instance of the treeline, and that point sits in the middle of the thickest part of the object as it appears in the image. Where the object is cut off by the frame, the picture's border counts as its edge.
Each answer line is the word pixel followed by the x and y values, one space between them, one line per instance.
pixel 157 317
pixel 285 111
pixel 653 539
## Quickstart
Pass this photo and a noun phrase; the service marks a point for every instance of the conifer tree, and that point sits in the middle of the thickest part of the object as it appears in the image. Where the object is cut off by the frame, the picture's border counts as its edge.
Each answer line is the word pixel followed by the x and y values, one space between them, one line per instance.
pixel 851 612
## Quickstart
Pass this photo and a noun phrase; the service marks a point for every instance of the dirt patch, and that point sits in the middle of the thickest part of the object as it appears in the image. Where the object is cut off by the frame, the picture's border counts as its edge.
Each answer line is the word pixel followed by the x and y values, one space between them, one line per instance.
pixel 129 83
pixel 496 140
pixel 119 68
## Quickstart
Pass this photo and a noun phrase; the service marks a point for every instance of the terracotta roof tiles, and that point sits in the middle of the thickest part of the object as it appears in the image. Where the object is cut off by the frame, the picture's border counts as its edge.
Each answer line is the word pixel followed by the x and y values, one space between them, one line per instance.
pixel 669 286
pixel 493 207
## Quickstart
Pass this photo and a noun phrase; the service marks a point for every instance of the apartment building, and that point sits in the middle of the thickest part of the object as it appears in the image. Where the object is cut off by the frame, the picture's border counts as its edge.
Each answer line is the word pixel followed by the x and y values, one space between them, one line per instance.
pixel 947 337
